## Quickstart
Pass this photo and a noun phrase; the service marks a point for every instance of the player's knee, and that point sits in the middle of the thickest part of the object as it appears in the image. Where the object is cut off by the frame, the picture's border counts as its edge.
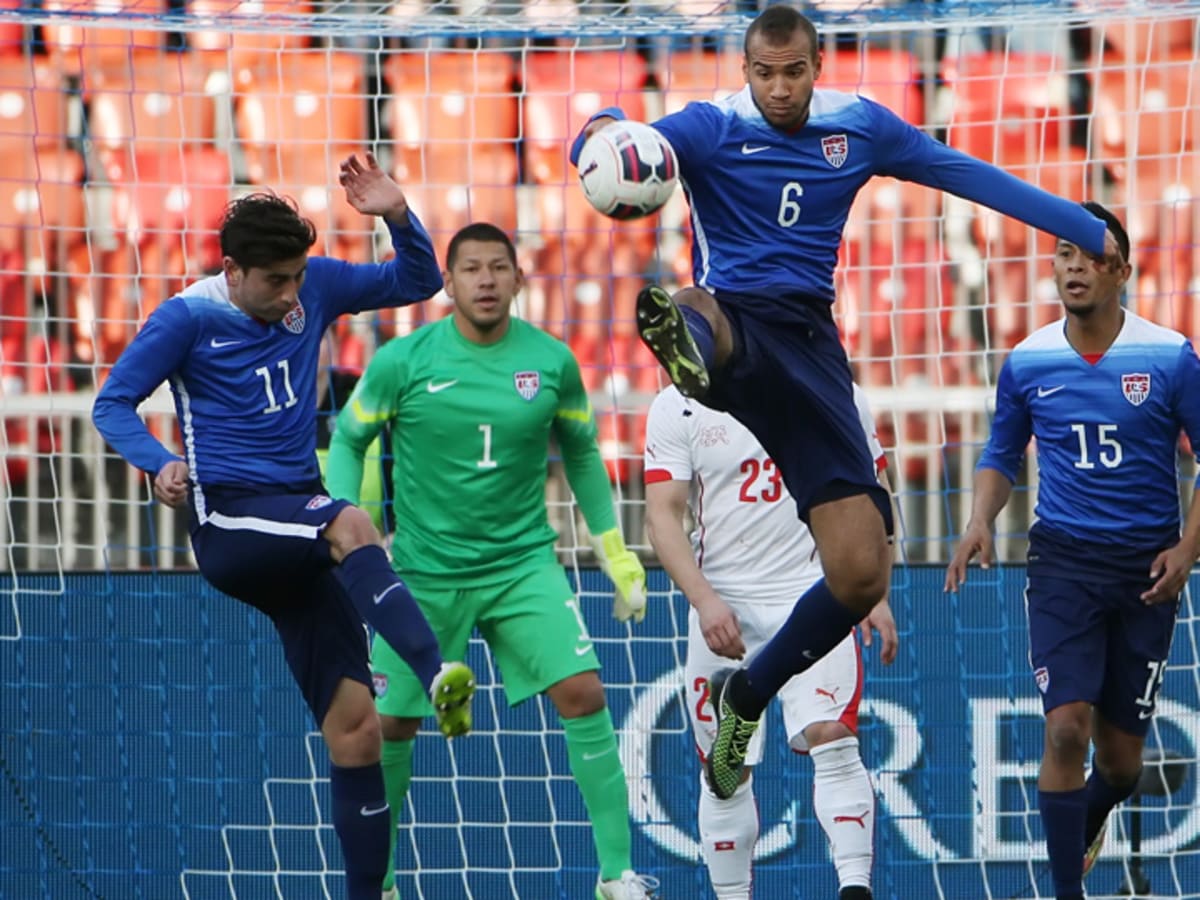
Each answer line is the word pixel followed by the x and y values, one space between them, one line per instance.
pixel 353 735
pixel 351 528
pixel 1067 736
pixel 577 696
pixel 859 586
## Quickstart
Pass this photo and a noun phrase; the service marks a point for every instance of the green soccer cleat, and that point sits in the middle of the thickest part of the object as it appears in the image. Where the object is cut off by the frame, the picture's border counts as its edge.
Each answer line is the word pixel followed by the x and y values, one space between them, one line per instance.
pixel 727 757
pixel 663 329
pixel 1093 851
pixel 451 693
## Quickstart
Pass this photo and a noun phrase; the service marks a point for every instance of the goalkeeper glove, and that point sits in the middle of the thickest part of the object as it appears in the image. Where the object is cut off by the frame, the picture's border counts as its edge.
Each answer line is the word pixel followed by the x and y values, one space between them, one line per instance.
pixel 623 567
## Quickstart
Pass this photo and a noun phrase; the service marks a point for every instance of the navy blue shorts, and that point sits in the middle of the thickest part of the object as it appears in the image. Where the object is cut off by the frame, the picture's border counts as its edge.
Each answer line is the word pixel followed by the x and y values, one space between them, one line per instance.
pixel 267 550
pixel 1092 639
pixel 789 382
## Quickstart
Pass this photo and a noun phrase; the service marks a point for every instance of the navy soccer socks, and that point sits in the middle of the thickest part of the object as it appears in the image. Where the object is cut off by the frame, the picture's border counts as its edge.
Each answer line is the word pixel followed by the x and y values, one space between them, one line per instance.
pixel 702 334
pixel 388 606
pixel 360 818
pixel 817 624
pixel 1063 817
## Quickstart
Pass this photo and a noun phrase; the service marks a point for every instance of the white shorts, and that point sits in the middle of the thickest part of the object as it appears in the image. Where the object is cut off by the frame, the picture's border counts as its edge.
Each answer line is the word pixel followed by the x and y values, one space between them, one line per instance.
pixel 829 691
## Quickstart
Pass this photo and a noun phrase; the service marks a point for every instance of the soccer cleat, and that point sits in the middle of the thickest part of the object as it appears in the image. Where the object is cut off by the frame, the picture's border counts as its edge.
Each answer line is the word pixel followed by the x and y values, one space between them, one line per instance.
pixel 630 886
pixel 664 330
pixel 1093 851
pixel 727 757
pixel 391 894
pixel 451 692
pixel 855 892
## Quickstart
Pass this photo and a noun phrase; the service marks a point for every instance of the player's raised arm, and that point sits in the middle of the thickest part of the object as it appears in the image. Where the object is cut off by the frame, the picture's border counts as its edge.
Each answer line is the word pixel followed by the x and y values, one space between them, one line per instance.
pixel 157 351
pixel 914 156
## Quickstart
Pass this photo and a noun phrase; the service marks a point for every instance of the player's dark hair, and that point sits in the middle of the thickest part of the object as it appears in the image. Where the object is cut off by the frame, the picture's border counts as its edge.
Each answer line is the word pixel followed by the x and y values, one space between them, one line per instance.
pixel 1113 224
pixel 480 231
pixel 262 229
pixel 777 24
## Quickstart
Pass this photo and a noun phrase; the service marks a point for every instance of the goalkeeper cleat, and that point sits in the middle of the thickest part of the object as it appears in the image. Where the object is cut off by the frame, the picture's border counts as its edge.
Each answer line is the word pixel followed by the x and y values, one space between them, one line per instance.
pixel 630 886
pixel 664 330
pixel 451 692
pixel 391 894
pixel 1093 851
pixel 727 756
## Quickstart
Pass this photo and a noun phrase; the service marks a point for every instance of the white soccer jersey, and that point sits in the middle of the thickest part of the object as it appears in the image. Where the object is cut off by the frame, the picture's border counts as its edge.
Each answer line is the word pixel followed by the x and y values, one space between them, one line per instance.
pixel 748 538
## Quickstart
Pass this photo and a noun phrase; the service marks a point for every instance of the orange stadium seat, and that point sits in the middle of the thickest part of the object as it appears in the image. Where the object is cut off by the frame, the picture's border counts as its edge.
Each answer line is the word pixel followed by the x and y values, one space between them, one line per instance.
pixel 298 115
pixel 1145 40
pixel 888 77
pixel 1147 136
pixel 453 118
pixel 75 49
pixel 43 243
pixel 695 74
pixel 590 269
pixel 1019 100
pixel 13 36
pixel 233 50
pixel 158 104
pixel 33 104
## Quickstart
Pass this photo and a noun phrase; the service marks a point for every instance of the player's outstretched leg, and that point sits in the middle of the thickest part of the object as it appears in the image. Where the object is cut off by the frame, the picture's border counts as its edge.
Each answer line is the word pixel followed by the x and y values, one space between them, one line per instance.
pixel 727 757
pixel 664 330
pixel 451 693
pixel 630 886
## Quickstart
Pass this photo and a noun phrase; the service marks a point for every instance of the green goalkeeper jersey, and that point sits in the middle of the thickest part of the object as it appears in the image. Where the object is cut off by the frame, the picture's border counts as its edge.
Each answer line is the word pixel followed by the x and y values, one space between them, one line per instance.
pixel 471 429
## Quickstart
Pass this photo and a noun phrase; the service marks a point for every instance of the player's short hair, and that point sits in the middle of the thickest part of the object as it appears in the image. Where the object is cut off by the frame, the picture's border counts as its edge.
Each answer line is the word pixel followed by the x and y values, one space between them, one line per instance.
pixel 777 24
pixel 1113 224
pixel 262 229
pixel 480 231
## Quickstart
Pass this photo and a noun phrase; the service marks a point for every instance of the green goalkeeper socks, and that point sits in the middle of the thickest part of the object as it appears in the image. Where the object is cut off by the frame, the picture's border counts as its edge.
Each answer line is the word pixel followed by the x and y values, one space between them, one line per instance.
pixel 397 773
pixel 596 765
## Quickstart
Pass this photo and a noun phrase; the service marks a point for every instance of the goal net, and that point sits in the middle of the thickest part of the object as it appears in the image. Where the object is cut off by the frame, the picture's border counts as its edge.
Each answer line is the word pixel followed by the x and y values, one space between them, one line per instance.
pixel 155 745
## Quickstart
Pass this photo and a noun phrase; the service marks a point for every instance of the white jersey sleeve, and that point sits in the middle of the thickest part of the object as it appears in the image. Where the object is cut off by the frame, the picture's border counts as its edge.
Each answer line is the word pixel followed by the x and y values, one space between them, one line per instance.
pixel 668 454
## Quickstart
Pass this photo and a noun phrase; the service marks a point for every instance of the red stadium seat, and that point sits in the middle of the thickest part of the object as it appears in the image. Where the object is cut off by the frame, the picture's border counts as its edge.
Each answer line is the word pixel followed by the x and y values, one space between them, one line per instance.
pixel 33 104
pixel 697 75
pixel 13 36
pixel 276 32
pixel 454 120
pixel 888 77
pixel 1018 100
pixel 590 269
pixel 298 115
pixel 1145 40
pixel 75 49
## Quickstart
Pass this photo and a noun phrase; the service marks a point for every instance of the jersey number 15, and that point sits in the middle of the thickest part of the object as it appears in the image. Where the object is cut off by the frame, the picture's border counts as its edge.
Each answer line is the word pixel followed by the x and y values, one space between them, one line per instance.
pixel 1106 443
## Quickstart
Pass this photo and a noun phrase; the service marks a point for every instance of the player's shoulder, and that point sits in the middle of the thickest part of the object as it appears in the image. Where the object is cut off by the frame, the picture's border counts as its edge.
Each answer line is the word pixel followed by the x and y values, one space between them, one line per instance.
pixel 1050 338
pixel 834 107
pixel 1141 332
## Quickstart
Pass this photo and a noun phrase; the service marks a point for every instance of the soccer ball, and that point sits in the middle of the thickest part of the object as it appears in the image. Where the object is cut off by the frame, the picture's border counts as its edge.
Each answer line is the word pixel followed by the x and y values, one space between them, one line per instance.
pixel 628 170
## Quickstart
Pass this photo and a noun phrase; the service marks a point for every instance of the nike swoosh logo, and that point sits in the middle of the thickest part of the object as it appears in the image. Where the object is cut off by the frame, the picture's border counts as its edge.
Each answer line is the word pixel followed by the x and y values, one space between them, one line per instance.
pixel 1046 392
pixel 747 150
pixel 217 345
pixel 588 757
pixel 580 651
pixel 434 388
pixel 808 654
pixel 366 811
pixel 378 597
pixel 1145 714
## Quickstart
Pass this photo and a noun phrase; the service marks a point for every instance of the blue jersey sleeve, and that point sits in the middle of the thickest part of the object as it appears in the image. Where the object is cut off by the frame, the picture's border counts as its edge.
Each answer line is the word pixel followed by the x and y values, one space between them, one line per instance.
pixel 691 132
pixel 912 155
pixel 1012 428
pixel 157 351
pixel 1187 397
pixel 411 276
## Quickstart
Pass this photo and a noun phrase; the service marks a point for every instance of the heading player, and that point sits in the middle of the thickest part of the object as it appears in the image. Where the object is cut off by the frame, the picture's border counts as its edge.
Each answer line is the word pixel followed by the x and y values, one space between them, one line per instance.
pixel 1105 393
pixel 770 175
pixel 473 401
pixel 746 559
pixel 240 352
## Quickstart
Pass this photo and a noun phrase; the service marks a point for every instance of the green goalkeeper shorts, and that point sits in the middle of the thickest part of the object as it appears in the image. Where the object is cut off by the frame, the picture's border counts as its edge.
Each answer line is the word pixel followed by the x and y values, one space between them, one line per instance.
pixel 531 623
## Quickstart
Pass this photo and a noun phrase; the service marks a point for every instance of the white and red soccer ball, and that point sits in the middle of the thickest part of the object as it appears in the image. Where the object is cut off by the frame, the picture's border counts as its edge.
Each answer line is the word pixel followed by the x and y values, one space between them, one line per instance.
pixel 627 170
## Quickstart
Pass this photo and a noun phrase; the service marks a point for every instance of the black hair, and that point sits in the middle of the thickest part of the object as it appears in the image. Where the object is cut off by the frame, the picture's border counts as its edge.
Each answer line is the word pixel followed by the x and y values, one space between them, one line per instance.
pixel 262 229
pixel 777 24
pixel 1113 225
pixel 479 231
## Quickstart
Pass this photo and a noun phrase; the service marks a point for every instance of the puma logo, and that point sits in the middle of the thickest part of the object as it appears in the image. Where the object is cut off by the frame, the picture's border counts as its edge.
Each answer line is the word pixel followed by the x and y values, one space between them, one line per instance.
pixel 860 820
pixel 832 695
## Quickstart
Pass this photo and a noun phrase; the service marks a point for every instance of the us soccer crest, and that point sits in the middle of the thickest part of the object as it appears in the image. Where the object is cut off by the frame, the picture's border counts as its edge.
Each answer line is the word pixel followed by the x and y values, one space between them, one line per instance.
pixel 528 384
pixel 293 321
pixel 1136 387
pixel 836 148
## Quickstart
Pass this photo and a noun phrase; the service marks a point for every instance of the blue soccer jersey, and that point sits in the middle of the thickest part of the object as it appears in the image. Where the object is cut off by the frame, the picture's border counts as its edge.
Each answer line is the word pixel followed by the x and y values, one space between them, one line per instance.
pixel 245 391
pixel 768 207
pixel 1107 433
